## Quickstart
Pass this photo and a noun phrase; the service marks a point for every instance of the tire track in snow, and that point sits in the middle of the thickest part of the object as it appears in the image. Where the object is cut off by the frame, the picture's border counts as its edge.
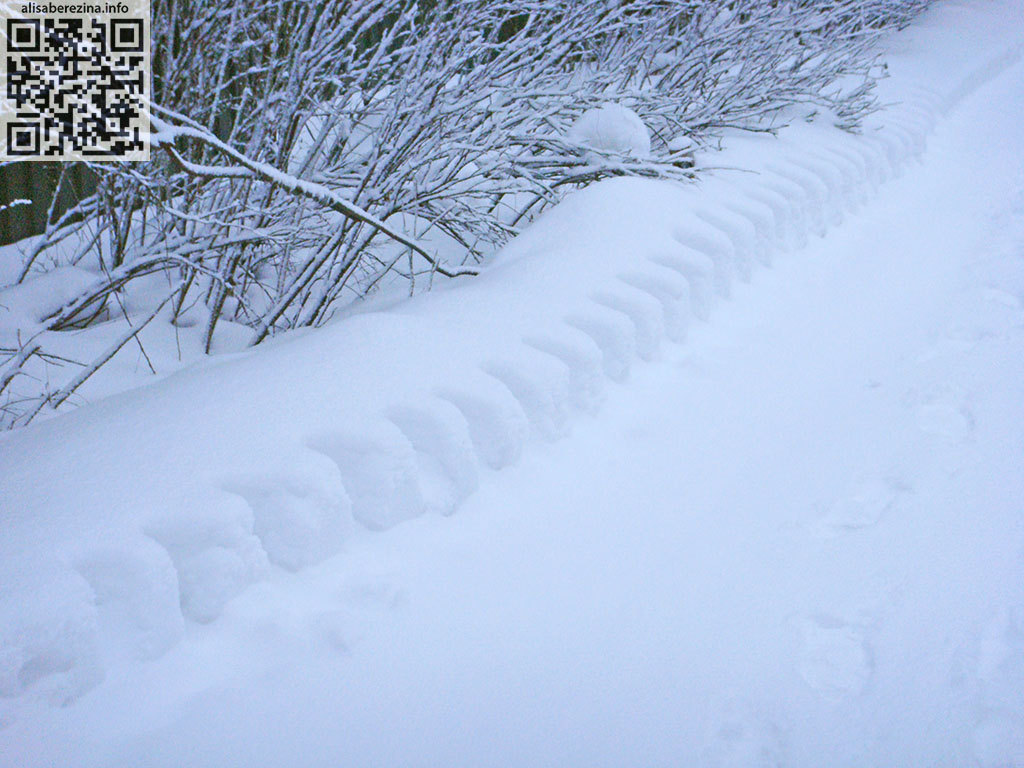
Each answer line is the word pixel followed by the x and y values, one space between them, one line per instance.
pixel 424 454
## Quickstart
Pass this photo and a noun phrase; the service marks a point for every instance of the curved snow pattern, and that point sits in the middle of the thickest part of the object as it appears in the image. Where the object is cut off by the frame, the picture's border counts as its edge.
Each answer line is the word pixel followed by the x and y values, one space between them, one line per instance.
pixel 274 459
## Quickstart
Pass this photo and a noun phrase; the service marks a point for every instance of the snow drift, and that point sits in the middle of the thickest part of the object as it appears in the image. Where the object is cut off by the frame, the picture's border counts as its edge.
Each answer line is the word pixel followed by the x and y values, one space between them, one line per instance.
pixel 165 502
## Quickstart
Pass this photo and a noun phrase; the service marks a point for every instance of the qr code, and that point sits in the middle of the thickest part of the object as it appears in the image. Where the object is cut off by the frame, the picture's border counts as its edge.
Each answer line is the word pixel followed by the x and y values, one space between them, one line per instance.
pixel 76 88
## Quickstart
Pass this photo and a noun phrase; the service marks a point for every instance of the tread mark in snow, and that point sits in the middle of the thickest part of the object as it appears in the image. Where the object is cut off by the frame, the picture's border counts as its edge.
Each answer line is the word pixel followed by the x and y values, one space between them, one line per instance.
pixel 215 552
pixel 498 426
pixel 799 202
pixel 444 452
pixel 815 190
pixel 643 310
pixel 762 218
pixel 835 660
pixel 583 357
pixel 300 515
pixel 543 396
pixel 136 596
pixel 833 184
pixel 854 175
pixel 861 180
pixel 785 218
pixel 713 243
pixel 741 233
pixel 379 474
pixel 671 291
pixel 698 271
pixel 613 332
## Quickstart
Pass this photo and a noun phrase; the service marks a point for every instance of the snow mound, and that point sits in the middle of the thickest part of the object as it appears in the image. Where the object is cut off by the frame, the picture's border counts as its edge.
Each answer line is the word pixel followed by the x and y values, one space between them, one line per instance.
pixel 612 128
pixel 276 460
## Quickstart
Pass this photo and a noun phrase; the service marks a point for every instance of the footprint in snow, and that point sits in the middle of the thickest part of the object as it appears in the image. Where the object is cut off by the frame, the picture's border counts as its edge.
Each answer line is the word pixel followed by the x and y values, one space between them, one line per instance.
pixel 739 737
pixel 957 341
pixel 946 415
pixel 862 507
pixel 993 313
pixel 998 673
pixel 1000 663
pixel 1001 312
pixel 999 742
pixel 378 593
pixel 339 630
pixel 1003 298
pixel 835 659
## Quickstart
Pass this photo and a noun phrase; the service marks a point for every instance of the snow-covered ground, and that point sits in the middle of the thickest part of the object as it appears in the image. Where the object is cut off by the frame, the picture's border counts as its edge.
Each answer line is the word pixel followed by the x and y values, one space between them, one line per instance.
pixel 790 535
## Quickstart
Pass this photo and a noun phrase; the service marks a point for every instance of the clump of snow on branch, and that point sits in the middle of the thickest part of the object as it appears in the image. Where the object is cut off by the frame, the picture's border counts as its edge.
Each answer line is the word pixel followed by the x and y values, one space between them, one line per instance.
pixel 612 128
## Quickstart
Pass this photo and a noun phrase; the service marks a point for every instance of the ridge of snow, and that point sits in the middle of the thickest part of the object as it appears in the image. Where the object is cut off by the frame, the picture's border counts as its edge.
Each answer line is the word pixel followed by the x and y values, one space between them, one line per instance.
pixel 390 415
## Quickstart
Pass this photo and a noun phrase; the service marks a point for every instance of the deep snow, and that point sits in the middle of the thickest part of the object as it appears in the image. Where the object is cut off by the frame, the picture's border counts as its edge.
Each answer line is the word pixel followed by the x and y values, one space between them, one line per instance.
pixel 795 539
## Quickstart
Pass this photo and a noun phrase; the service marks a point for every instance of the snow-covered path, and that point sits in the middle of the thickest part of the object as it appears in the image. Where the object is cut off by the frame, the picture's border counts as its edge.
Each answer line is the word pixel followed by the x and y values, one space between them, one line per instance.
pixel 796 540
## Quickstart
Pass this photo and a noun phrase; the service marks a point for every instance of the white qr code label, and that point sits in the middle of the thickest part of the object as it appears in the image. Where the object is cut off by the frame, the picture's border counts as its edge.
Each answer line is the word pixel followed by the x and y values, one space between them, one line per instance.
pixel 75 81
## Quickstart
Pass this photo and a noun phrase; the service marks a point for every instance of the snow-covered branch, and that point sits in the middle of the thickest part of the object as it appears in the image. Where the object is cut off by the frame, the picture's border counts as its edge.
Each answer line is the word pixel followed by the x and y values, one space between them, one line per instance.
pixel 309 154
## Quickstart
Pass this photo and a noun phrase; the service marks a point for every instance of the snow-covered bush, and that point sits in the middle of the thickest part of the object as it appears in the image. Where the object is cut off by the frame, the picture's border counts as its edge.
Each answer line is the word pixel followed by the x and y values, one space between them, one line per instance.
pixel 307 153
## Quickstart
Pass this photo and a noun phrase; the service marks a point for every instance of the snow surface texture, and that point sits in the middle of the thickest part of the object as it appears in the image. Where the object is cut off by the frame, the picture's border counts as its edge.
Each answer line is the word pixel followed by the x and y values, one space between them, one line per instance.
pixel 131 527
